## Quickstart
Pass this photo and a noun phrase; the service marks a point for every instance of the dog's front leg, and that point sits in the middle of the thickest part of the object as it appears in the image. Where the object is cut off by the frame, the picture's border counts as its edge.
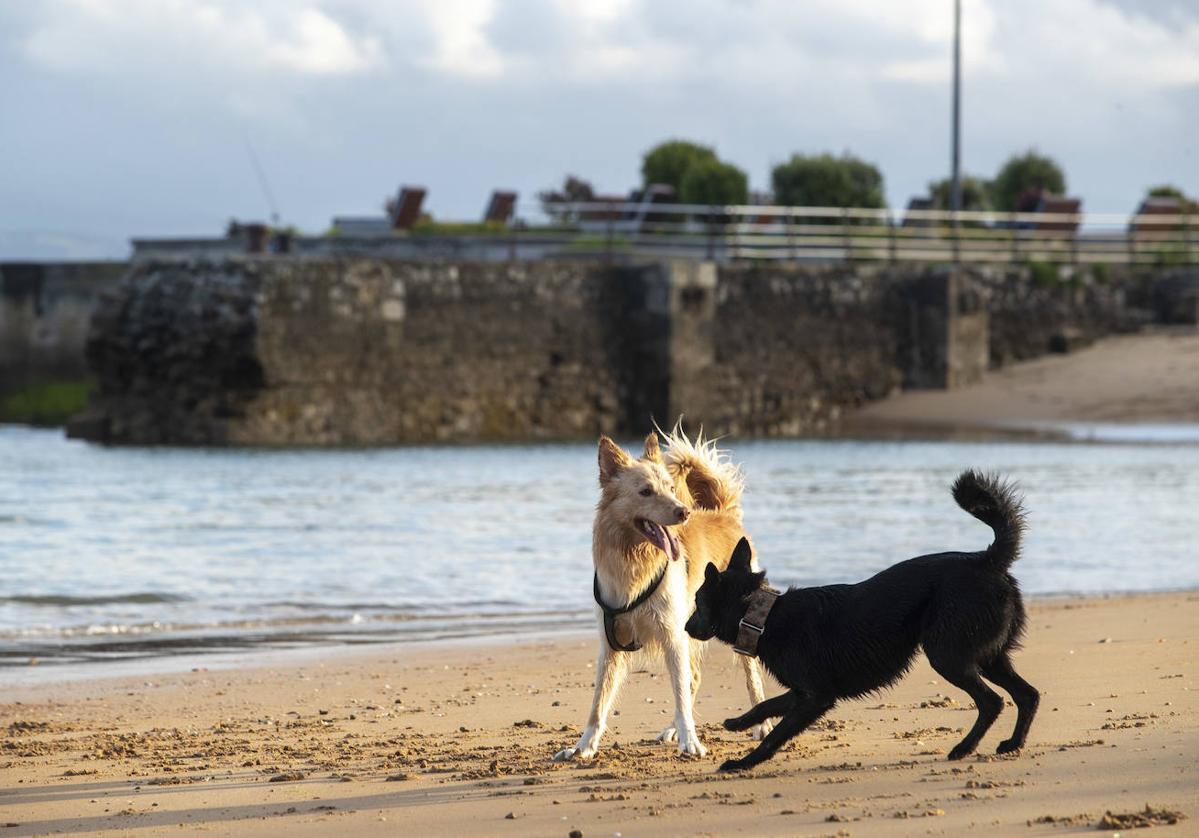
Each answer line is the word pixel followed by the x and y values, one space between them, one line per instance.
pixel 792 723
pixel 610 670
pixel 770 708
pixel 678 663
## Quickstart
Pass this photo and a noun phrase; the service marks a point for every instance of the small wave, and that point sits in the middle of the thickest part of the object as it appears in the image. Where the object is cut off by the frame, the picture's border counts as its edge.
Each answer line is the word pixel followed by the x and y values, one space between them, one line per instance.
pixel 316 622
pixel 109 643
pixel 407 608
pixel 61 600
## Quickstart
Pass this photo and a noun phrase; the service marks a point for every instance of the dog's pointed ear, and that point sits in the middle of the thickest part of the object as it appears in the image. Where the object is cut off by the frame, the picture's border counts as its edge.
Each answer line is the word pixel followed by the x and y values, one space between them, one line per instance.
pixel 652 452
pixel 711 573
pixel 612 458
pixel 743 554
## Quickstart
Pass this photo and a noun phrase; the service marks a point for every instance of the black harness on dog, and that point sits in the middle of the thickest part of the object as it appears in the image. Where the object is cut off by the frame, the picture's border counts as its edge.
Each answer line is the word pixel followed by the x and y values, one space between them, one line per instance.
pixel 754 622
pixel 610 614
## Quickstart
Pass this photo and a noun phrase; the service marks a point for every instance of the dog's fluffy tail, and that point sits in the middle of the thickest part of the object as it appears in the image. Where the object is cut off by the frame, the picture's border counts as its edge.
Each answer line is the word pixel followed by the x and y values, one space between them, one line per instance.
pixel 703 471
pixel 997 504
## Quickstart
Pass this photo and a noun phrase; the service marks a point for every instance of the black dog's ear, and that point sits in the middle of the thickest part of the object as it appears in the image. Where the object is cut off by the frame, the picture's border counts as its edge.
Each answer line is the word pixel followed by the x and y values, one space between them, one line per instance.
pixel 742 555
pixel 711 573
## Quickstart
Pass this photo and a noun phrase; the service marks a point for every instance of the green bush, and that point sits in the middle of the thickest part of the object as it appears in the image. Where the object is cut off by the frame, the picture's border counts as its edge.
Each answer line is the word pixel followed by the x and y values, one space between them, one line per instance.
pixel 714 182
pixel 44 402
pixel 1167 190
pixel 1171 256
pixel 828 181
pixel 1044 274
pixel 592 243
pixel 976 194
pixel 428 226
pixel 668 162
pixel 1023 172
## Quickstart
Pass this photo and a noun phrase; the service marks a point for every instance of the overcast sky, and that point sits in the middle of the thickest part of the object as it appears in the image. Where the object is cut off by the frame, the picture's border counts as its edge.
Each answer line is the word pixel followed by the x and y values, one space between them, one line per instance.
pixel 133 117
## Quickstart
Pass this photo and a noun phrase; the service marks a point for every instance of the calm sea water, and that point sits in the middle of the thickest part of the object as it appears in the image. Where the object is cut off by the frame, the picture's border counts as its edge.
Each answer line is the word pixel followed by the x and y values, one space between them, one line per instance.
pixel 124 553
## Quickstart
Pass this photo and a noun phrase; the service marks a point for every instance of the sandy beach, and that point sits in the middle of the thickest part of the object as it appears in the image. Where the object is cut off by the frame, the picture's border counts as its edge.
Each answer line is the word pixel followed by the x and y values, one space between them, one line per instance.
pixel 1147 377
pixel 456 739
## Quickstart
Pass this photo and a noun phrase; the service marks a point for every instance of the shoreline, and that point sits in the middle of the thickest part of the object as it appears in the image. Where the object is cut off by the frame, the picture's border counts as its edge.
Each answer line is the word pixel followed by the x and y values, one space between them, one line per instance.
pixel 285 650
pixel 362 740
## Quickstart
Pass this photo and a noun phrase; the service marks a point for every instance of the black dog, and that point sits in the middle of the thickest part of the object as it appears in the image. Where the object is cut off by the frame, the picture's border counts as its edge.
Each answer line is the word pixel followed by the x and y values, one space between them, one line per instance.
pixel 846 641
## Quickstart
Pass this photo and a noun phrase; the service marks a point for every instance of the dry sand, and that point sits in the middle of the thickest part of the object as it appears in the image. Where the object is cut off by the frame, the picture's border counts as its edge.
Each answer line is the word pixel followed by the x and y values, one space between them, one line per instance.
pixel 1148 377
pixel 456 739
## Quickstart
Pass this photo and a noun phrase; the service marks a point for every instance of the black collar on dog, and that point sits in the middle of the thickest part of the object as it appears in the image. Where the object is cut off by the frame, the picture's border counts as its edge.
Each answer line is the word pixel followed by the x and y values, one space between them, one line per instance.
pixel 754 622
pixel 610 614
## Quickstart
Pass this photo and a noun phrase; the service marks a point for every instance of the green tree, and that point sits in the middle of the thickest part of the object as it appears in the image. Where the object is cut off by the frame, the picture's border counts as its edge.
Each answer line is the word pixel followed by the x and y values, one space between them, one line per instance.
pixel 1167 190
pixel 668 162
pixel 828 181
pixel 976 194
pixel 1025 172
pixel 714 182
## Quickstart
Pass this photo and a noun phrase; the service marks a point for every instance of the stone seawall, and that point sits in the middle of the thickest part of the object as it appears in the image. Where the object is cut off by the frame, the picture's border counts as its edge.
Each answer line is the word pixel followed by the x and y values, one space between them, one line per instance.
pixel 344 352
pixel 1057 309
pixel 790 348
pixel 308 351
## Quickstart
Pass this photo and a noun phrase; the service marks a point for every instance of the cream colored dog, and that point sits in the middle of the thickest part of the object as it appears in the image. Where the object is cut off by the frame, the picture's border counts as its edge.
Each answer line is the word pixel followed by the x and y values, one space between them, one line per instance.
pixel 661 520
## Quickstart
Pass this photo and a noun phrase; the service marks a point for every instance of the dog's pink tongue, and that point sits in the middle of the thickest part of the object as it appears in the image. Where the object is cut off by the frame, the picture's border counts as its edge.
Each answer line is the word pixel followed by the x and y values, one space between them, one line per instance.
pixel 672 547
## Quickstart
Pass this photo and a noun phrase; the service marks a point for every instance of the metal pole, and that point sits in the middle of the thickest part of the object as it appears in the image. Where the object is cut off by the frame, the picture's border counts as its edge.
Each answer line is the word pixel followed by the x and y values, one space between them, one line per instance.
pixel 955 186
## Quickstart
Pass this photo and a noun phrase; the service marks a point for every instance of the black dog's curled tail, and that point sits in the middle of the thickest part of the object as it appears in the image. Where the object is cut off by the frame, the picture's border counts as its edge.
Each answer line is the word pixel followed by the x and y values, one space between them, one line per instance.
pixel 997 504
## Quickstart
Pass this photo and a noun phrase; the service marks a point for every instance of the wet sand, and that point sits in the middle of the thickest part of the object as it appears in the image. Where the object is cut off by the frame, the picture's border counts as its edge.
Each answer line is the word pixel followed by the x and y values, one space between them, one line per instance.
pixel 1151 377
pixel 457 738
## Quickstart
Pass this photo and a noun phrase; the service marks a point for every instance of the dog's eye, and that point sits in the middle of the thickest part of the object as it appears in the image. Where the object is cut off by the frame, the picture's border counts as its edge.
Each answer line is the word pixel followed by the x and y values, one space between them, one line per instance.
pixel 646 492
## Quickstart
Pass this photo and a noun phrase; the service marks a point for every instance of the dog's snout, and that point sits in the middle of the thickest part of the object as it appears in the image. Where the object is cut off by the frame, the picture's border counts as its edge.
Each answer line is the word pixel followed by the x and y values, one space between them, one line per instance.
pixel 682 513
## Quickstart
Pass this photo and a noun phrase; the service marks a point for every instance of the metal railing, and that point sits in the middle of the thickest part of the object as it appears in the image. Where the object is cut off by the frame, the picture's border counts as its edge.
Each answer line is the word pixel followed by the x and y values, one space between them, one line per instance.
pixel 736 233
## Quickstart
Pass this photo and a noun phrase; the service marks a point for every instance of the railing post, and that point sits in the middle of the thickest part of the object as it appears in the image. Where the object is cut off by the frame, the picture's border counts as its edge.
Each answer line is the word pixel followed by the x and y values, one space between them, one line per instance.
pixel 1186 231
pixel 845 240
pixel 791 236
pixel 611 231
pixel 894 245
pixel 1077 222
pixel 1015 241
pixel 711 234
pixel 955 233
pixel 731 250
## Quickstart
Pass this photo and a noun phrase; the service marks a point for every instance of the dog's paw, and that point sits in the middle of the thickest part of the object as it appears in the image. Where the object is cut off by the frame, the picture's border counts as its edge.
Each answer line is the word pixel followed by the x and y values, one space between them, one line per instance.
pixel 1008 746
pixel 567 754
pixel 689 745
pixel 732 765
pixel 759 731
pixel 735 723
pixel 959 752
pixel 585 748
pixel 669 734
